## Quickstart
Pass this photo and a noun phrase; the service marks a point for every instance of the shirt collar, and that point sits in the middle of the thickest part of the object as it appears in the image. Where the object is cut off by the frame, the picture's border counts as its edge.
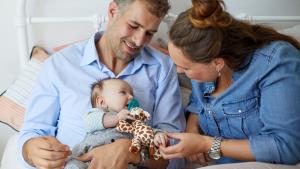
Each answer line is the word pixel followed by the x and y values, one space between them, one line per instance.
pixel 90 52
pixel 147 56
pixel 209 87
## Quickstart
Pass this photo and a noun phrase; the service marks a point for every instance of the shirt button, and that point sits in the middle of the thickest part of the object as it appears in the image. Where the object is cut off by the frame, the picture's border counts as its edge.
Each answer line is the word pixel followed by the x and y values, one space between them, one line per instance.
pixel 209 112
pixel 240 111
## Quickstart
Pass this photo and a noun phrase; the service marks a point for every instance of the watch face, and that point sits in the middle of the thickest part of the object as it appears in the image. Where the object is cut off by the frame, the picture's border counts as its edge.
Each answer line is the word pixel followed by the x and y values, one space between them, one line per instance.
pixel 214 155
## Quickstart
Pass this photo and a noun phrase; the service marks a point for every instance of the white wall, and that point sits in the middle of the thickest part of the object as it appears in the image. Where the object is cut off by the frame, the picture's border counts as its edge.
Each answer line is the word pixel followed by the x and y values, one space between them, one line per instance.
pixel 9 58
pixel 9 64
pixel 264 7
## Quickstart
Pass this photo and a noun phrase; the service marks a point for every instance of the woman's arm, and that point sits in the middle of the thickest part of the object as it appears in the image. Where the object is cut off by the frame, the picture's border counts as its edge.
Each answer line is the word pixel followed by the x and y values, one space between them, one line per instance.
pixel 192 124
pixel 191 144
pixel 237 149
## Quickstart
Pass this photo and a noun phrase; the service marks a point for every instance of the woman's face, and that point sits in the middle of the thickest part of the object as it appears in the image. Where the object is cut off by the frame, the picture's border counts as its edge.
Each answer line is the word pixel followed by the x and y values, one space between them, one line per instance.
pixel 197 71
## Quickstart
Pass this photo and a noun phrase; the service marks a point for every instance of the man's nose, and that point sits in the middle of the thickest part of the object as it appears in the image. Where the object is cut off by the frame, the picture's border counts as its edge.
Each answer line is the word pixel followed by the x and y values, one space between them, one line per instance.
pixel 139 38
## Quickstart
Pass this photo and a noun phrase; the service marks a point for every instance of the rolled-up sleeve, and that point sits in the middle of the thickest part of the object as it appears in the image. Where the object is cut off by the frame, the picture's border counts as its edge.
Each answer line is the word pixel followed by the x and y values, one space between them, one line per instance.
pixel 94 120
pixel 279 139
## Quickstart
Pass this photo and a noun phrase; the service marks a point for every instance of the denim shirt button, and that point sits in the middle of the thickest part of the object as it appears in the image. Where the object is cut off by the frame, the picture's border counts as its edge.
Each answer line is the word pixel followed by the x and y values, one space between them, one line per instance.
pixel 240 111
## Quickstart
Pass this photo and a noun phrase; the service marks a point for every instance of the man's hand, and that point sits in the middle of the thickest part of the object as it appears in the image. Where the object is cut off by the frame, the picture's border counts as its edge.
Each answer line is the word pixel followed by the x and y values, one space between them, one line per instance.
pixel 111 156
pixel 156 164
pixel 45 152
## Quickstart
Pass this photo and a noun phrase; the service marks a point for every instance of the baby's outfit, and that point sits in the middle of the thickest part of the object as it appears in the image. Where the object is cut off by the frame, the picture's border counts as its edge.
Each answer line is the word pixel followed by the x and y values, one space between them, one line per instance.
pixel 96 136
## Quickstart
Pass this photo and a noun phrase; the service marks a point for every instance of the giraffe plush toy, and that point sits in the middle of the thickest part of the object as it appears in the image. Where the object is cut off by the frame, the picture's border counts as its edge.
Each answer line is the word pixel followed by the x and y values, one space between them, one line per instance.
pixel 143 135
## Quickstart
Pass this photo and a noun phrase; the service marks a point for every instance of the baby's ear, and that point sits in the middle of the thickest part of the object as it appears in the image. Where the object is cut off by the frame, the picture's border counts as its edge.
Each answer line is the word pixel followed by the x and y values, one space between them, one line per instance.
pixel 100 102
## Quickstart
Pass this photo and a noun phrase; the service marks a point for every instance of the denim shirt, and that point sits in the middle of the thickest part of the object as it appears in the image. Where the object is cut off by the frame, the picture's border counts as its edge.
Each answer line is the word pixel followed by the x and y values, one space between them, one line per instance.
pixel 261 105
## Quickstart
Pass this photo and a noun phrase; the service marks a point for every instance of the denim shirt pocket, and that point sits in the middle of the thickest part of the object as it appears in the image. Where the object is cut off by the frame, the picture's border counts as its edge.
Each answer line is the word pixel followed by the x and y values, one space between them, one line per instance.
pixel 242 117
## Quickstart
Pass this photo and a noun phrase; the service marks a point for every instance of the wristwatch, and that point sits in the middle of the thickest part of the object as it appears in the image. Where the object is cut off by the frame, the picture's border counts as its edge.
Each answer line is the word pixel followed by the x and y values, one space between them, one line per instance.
pixel 215 150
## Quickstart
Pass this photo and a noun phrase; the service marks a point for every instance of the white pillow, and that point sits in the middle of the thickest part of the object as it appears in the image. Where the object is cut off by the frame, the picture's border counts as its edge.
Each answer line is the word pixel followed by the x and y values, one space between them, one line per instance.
pixel 10 158
pixel 293 31
pixel 14 100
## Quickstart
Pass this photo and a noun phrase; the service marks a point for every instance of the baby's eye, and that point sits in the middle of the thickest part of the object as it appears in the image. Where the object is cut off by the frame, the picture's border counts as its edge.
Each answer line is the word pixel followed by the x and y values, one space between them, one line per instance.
pixel 122 92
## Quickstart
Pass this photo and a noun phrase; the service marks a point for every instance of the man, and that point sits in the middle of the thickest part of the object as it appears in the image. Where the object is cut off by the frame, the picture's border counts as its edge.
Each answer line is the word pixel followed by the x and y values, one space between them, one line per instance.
pixel 53 122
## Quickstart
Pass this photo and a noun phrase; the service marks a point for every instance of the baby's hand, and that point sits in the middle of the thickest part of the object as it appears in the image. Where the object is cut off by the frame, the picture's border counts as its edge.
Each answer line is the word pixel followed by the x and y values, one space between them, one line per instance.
pixel 160 139
pixel 124 114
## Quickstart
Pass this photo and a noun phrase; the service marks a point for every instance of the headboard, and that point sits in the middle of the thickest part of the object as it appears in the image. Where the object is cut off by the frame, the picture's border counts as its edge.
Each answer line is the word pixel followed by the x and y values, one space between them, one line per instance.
pixel 25 21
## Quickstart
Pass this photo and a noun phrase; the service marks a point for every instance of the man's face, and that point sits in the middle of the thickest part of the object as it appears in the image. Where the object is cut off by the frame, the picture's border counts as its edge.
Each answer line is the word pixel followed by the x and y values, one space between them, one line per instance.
pixel 129 31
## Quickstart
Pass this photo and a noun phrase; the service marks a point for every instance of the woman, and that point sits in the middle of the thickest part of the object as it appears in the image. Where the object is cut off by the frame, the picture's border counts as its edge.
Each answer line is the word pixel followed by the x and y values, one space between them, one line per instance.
pixel 245 88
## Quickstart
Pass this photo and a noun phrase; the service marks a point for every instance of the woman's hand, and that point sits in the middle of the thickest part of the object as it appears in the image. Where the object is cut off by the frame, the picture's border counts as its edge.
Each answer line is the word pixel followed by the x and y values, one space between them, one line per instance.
pixel 193 127
pixel 189 144
pixel 200 158
pixel 45 152
pixel 111 156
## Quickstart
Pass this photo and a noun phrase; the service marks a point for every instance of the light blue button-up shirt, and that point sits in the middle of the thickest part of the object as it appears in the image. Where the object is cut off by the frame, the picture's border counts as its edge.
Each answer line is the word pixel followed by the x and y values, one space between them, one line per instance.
pixel 61 96
pixel 261 105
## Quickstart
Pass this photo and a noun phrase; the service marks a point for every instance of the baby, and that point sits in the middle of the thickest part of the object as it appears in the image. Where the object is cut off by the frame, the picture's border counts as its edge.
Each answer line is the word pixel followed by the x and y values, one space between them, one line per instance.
pixel 110 98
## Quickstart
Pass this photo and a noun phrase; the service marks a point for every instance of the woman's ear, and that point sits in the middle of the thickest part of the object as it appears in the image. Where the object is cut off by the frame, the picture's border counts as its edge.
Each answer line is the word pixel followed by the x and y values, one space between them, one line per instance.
pixel 219 63
pixel 112 9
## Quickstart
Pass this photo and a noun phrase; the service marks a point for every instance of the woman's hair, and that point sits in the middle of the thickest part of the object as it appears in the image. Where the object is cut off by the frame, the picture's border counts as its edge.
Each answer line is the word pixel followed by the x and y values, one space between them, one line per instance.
pixel 206 31
pixel 158 8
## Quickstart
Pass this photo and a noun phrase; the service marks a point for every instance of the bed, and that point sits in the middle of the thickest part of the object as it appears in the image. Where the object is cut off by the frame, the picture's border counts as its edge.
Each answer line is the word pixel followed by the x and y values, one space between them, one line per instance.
pixel 32 28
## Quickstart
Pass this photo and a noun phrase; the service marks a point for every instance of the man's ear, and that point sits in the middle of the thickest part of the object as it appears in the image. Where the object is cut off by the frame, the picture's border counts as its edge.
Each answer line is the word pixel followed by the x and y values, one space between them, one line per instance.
pixel 112 9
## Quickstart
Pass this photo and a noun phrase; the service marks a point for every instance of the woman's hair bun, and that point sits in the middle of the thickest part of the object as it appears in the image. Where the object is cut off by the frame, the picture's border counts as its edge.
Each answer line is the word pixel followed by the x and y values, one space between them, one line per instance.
pixel 209 13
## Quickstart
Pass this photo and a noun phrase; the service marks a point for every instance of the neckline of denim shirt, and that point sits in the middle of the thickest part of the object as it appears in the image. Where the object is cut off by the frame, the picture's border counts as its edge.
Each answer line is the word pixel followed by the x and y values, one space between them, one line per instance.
pixel 210 87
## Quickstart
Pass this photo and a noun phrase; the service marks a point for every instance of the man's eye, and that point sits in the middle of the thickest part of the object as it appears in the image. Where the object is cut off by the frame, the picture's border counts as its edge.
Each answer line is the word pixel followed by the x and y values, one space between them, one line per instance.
pixel 132 27
pixel 149 34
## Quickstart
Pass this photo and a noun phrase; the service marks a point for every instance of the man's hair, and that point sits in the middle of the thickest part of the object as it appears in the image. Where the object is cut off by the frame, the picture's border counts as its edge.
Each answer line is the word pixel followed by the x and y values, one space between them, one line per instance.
pixel 158 8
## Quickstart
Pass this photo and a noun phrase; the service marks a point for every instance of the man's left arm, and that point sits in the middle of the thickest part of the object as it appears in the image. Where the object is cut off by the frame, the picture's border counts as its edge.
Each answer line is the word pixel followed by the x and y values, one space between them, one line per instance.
pixel 168 113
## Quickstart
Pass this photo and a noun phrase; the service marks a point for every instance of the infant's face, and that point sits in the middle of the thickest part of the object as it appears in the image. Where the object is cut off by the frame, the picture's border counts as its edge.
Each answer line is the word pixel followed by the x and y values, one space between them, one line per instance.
pixel 116 94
